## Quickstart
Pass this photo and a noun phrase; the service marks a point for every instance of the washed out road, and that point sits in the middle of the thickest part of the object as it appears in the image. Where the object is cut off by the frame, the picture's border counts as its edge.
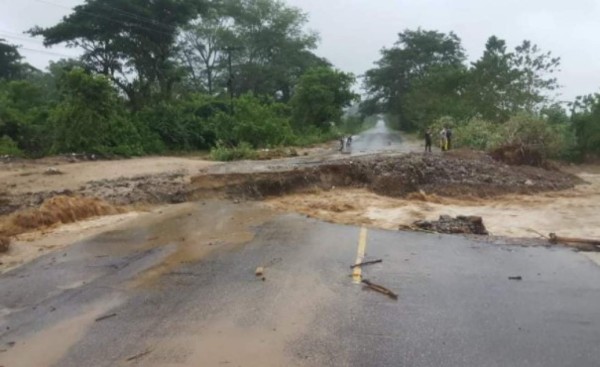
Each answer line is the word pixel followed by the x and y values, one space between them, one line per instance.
pixel 177 287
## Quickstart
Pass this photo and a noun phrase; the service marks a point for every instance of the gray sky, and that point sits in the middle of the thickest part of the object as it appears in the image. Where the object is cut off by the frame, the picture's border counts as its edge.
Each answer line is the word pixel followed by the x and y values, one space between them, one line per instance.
pixel 353 31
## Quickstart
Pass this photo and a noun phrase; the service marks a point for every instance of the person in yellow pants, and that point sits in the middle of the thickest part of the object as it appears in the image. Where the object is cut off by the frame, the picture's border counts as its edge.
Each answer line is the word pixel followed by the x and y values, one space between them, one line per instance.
pixel 443 140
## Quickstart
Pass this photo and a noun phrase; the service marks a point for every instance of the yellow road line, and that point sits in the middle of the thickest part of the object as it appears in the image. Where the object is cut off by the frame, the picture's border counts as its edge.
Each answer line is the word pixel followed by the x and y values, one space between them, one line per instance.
pixel 360 255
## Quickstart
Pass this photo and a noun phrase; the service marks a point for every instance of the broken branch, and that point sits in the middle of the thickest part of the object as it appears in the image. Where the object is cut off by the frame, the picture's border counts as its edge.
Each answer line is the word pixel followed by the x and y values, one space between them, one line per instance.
pixel 366 263
pixel 595 244
pixel 106 317
pixel 140 355
pixel 380 289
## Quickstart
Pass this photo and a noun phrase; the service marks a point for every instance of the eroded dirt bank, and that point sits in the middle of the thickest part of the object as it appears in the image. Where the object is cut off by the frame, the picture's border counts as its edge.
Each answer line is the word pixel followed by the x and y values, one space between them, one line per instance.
pixel 393 176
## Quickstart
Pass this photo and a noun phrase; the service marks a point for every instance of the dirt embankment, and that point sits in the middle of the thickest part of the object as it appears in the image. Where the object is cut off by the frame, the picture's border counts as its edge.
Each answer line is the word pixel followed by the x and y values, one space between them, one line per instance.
pixel 397 176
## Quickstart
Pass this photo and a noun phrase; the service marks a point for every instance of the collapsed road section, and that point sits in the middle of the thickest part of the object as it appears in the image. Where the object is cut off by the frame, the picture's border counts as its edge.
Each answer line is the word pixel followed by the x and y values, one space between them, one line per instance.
pixel 394 176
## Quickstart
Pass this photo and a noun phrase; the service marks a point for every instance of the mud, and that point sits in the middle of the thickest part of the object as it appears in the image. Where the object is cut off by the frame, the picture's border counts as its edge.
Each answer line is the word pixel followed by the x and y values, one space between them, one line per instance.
pixel 571 212
pixel 396 176
pixel 56 210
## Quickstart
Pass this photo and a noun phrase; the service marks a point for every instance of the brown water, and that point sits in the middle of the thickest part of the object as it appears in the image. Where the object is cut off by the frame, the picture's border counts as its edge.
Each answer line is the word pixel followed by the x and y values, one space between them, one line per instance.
pixel 574 212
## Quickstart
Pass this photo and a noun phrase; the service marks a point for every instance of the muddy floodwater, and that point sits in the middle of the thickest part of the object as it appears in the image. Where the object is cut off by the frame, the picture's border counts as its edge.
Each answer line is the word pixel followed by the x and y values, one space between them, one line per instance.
pixel 574 212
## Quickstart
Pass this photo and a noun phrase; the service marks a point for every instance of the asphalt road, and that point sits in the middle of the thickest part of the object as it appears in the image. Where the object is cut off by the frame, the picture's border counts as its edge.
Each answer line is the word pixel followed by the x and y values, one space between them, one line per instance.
pixel 205 306
pixel 379 139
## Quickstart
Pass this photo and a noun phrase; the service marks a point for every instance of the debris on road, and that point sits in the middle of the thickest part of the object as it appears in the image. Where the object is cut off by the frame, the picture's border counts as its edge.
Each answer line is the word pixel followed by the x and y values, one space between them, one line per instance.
pixel 260 271
pixel 583 243
pixel 105 317
pixel 380 289
pixel 140 355
pixel 460 224
pixel 366 263
pixel 518 277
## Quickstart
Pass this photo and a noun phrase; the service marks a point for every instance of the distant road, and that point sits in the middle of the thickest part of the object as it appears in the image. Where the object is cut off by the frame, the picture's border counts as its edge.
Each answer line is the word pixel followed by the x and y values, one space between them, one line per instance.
pixel 380 139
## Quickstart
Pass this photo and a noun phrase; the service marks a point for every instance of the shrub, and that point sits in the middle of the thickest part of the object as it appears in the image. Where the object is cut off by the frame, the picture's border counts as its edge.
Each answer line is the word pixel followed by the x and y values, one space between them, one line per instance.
pixel 9 147
pixel 262 125
pixel 91 118
pixel 224 153
pixel 535 133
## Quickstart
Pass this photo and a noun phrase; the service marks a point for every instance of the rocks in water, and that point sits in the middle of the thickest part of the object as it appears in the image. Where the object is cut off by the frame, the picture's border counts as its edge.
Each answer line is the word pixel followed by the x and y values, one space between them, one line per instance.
pixel 460 224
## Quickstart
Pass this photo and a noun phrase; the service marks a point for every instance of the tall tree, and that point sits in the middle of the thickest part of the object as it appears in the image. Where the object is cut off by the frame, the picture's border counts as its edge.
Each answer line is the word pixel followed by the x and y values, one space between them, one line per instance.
pixel 130 41
pixel 320 97
pixel 202 48
pixel 271 49
pixel 537 78
pixel 420 67
pixel 585 118
pixel 503 83
pixel 11 67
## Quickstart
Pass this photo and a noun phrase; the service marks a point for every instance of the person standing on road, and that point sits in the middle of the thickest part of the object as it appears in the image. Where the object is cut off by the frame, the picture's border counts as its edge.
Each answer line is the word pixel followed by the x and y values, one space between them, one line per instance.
pixel 443 140
pixel 448 138
pixel 428 141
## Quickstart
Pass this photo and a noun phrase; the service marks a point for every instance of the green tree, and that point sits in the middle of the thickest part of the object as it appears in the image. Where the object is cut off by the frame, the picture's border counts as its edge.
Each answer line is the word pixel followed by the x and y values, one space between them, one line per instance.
pixel 320 97
pixel 202 49
pixel 503 83
pixel 262 125
pixel 91 118
pixel 270 48
pixel 132 42
pixel 585 118
pixel 11 67
pixel 23 115
pixel 419 78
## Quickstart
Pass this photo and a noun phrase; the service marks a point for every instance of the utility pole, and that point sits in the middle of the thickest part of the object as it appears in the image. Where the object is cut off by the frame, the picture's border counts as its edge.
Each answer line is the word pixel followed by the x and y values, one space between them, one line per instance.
pixel 229 50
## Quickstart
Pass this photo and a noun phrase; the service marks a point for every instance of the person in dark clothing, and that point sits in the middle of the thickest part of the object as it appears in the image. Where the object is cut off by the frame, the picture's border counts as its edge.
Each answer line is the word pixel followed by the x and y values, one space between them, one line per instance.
pixel 449 138
pixel 428 140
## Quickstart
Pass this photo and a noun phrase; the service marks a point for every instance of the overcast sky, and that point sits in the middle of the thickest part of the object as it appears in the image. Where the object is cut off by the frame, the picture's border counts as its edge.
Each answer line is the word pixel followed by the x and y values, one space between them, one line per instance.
pixel 353 31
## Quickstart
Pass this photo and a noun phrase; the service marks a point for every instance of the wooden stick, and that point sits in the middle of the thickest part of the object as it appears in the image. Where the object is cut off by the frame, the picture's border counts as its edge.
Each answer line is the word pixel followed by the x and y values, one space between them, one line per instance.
pixel 366 263
pixel 140 355
pixel 106 317
pixel 556 239
pixel 380 289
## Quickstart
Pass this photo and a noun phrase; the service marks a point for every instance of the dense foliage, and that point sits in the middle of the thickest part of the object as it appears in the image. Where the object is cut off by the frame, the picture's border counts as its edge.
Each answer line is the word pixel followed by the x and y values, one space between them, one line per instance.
pixel 173 75
pixel 503 98
pixel 234 76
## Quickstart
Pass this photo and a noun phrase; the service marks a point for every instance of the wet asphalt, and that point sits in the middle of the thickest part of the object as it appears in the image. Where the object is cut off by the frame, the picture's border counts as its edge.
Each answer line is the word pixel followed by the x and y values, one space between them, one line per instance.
pixel 379 139
pixel 456 306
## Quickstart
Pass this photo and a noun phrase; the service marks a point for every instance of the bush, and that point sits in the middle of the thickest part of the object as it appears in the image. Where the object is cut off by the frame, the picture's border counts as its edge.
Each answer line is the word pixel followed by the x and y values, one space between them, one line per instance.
pixel 91 118
pixel 476 134
pixel 320 96
pixel 184 124
pixel 224 153
pixel 527 131
pixel 9 147
pixel 262 125
pixel 314 135
pixel 535 133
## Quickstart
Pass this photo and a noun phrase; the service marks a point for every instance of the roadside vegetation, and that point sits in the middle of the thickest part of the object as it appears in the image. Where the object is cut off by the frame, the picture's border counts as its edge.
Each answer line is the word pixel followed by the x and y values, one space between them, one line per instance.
pixel 236 76
pixel 229 76
pixel 505 98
